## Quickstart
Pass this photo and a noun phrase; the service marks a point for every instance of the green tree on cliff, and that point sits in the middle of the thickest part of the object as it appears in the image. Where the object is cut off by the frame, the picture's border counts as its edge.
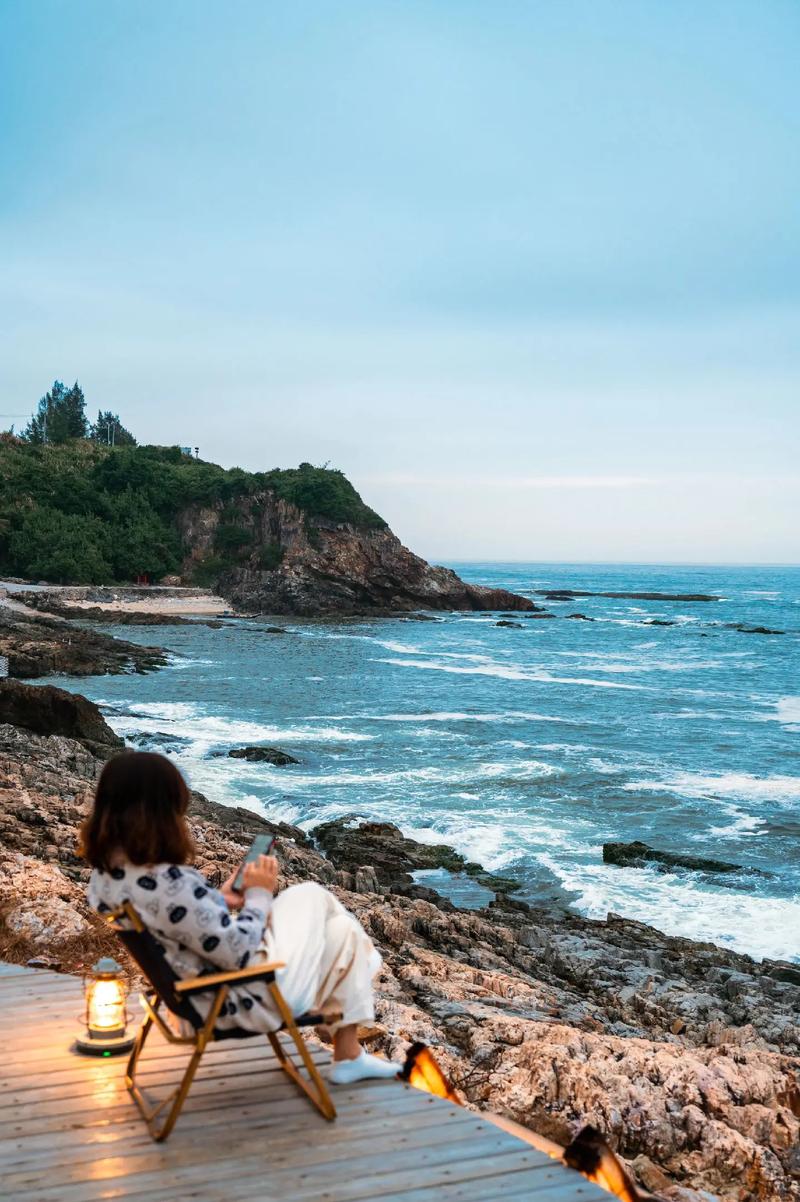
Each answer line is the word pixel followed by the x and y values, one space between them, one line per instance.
pixel 109 429
pixel 60 415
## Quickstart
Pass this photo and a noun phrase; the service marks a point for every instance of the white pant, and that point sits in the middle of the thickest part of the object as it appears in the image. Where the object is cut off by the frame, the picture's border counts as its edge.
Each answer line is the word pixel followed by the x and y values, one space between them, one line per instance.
pixel 330 959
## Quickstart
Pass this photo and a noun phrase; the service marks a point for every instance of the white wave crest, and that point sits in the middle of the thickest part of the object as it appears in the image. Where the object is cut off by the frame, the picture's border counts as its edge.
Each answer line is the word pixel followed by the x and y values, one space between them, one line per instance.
pixel 758 926
pixel 207 730
pixel 509 672
pixel 723 784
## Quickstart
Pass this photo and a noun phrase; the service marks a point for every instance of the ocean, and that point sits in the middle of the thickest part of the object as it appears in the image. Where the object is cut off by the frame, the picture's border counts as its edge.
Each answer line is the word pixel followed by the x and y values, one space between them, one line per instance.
pixel 526 749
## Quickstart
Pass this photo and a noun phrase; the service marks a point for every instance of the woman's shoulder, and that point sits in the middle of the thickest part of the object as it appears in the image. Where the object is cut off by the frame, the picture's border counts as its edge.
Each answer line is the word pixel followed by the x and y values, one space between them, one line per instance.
pixel 147 878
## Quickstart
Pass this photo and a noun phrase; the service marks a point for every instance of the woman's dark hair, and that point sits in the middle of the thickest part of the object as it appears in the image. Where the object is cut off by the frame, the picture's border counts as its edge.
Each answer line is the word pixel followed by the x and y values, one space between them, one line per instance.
pixel 139 811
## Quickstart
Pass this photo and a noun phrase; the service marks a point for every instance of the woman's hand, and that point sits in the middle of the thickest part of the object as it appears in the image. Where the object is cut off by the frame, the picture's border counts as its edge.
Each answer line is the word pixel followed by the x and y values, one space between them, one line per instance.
pixel 261 874
pixel 233 898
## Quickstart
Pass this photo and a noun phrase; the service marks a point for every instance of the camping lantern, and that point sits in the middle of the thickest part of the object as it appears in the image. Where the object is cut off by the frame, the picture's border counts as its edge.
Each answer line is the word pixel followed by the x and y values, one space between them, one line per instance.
pixel 106 1016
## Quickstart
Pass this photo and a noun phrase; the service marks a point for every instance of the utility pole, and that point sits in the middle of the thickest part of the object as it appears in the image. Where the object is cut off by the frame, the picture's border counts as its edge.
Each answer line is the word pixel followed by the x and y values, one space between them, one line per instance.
pixel 111 433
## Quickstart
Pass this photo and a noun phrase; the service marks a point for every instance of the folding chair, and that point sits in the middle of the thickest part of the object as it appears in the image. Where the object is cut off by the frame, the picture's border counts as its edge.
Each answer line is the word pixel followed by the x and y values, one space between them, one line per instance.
pixel 167 989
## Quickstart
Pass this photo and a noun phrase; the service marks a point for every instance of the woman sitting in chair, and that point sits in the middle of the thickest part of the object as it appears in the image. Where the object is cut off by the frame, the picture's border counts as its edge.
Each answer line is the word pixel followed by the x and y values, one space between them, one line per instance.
pixel 137 841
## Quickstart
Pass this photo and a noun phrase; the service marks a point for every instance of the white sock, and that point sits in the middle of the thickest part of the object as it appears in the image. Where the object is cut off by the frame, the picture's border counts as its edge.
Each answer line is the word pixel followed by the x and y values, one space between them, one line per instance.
pixel 345 1072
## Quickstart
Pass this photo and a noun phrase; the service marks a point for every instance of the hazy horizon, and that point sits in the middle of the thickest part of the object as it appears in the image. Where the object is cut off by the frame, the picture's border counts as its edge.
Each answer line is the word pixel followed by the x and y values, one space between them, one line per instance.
pixel 529 274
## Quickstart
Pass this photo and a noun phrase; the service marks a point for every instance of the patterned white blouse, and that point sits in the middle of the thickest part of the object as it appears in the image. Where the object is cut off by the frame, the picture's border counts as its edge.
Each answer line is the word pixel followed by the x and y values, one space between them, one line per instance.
pixel 195 929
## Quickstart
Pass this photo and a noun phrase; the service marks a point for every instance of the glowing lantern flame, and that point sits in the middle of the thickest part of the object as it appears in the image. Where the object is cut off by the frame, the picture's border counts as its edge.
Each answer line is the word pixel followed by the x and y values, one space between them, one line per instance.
pixel 105 1005
pixel 590 1154
pixel 422 1071
pixel 105 1016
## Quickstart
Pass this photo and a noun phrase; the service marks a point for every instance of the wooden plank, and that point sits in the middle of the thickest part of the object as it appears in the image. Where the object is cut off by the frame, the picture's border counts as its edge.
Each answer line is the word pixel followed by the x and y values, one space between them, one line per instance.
pixel 251 1055
pixel 65 1147
pixel 336 1144
pixel 10 970
pixel 59 1116
pixel 93 1078
pixel 294 1109
pixel 361 1177
pixel 69 1131
pixel 277 1096
pixel 511 1185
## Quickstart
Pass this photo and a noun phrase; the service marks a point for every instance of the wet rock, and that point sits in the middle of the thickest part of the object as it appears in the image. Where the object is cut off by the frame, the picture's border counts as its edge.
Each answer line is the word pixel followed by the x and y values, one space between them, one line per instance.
pixel 393 856
pixel 258 755
pixel 161 739
pixel 659 622
pixel 514 625
pixel 743 628
pixel 580 617
pixel 566 594
pixel 641 855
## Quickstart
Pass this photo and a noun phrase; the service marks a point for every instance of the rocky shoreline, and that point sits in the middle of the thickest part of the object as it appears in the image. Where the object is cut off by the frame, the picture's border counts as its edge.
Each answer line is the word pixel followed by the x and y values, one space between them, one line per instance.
pixel 36 645
pixel 686 1056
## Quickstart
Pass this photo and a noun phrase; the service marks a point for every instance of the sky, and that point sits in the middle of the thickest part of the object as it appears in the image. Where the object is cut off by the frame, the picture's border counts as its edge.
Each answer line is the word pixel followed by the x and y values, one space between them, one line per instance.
pixel 528 272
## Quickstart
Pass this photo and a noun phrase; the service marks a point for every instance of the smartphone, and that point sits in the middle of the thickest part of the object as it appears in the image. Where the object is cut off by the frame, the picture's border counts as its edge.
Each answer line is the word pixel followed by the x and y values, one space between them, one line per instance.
pixel 262 845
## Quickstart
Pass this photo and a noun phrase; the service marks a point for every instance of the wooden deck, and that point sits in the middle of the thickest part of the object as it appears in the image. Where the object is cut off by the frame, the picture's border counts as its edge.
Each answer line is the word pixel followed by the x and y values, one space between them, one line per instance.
pixel 69 1131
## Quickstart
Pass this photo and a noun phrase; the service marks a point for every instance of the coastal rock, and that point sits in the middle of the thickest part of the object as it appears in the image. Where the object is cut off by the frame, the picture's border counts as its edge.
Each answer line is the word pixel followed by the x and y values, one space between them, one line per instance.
pixel 566 594
pixel 257 755
pixel 325 567
pixel 640 855
pixel 40 646
pixel 394 857
pixel 743 628
pixel 513 625
pixel 686 1056
pixel 49 601
pixel 47 710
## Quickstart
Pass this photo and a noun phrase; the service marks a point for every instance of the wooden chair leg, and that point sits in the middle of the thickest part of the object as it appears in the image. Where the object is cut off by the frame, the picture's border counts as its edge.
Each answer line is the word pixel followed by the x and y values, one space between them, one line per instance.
pixel 178 1096
pixel 316 1092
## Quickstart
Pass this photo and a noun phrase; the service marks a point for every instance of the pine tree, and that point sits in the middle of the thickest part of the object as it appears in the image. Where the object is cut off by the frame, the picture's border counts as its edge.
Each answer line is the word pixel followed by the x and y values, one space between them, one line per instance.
pixel 110 430
pixel 40 428
pixel 74 413
pixel 60 415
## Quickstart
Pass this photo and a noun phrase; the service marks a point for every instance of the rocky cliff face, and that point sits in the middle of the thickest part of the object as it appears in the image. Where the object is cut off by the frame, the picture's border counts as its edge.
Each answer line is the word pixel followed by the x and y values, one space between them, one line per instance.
pixel 286 563
pixel 686 1056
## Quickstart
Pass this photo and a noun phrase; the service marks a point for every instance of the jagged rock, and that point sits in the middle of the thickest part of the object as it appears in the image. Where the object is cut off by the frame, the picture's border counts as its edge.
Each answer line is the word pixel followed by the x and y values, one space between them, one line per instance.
pixel 258 755
pixel 327 567
pixel 641 855
pixel 45 922
pixel 580 617
pixel 394 857
pixel 40 646
pixel 514 625
pixel 549 1018
pixel 46 710
pixel 366 880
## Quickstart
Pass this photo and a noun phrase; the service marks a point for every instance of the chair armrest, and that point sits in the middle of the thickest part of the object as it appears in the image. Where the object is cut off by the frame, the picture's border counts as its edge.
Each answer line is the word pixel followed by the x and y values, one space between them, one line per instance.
pixel 239 976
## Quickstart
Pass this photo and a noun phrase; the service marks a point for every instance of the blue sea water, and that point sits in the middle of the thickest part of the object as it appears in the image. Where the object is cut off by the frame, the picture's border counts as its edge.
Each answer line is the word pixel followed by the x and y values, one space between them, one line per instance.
pixel 526 748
